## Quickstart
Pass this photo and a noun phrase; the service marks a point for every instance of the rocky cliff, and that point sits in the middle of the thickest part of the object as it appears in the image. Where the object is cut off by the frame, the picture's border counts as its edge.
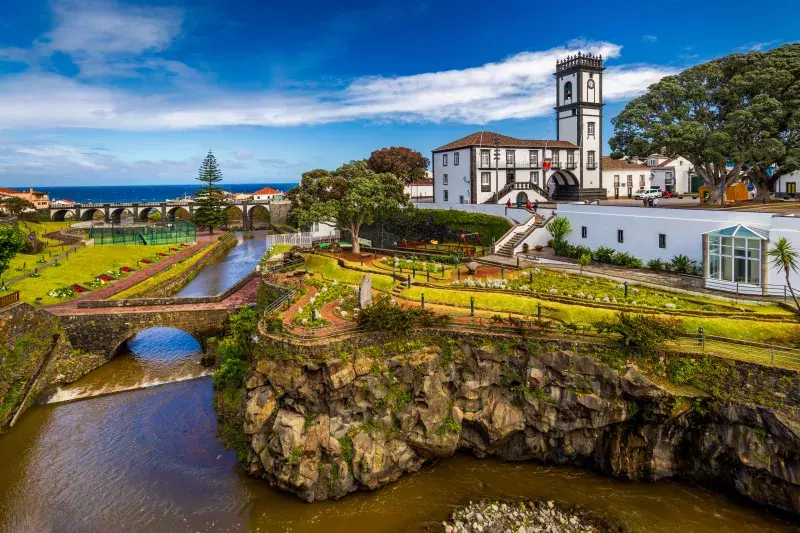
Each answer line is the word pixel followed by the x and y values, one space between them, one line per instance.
pixel 323 426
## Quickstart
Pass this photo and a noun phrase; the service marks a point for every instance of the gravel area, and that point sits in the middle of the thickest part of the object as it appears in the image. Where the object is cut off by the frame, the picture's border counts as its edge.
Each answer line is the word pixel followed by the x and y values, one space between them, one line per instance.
pixel 525 516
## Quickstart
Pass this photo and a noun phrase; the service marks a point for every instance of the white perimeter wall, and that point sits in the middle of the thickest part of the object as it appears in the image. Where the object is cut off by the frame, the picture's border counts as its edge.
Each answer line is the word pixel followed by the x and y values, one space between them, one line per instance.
pixel 683 228
pixel 515 216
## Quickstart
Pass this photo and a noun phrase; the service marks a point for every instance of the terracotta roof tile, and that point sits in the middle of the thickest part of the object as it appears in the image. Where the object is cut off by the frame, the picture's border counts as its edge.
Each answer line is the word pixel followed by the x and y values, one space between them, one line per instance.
pixel 620 164
pixel 267 190
pixel 486 138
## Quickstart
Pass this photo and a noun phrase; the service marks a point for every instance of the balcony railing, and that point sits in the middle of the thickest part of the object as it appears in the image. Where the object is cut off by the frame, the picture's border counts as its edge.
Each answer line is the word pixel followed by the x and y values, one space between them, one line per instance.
pixel 591 165
pixel 571 165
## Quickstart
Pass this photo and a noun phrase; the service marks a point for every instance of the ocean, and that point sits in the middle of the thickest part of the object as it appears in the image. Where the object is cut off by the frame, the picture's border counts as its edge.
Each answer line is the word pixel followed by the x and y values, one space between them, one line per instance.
pixel 144 193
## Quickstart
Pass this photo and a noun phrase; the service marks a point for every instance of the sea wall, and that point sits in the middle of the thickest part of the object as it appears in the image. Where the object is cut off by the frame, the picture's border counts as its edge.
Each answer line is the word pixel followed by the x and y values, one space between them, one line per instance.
pixel 324 424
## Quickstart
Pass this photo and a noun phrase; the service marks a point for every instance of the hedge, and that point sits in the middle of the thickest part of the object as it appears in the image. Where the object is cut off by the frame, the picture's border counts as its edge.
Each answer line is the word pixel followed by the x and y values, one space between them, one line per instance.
pixel 435 224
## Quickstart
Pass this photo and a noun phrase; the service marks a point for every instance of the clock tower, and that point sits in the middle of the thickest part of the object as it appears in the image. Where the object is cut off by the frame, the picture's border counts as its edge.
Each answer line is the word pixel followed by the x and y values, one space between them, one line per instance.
pixel 579 117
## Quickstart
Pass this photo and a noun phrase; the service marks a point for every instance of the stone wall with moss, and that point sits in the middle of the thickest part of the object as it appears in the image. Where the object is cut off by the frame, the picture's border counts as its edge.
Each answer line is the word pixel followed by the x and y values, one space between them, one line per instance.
pixel 29 339
pixel 324 422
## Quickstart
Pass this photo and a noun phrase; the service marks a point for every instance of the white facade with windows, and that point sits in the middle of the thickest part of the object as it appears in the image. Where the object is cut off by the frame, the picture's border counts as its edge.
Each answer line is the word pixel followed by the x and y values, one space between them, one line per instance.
pixel 732 246
pixel 622 178
pixel 488 167
pixel 786 186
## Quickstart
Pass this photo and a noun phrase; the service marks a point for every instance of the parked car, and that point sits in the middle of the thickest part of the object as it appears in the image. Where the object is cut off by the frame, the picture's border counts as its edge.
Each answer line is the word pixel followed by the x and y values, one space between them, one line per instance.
pixel 668 194
pixel 652 192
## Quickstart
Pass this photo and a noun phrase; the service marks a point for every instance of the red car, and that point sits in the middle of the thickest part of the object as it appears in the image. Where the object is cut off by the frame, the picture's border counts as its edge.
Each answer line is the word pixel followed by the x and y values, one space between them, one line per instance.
pixel 668 194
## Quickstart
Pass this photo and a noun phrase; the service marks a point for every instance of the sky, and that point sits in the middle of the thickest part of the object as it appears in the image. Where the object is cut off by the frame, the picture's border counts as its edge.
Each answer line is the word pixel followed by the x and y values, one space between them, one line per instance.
pixel 100 92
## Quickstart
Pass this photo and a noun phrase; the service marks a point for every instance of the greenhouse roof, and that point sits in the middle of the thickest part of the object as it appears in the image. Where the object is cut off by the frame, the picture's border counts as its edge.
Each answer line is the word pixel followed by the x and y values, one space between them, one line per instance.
pixel 742 232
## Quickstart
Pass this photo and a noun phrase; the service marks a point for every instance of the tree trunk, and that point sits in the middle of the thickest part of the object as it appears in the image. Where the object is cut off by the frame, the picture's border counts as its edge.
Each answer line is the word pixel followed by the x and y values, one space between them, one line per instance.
pixel 788 284
pixel 762 192
pixel 354 236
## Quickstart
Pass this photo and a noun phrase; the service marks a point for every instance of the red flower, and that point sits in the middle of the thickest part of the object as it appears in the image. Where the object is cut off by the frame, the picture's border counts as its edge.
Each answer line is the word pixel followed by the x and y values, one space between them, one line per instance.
pixel 78 288
pixel 145 261
pixel 125 269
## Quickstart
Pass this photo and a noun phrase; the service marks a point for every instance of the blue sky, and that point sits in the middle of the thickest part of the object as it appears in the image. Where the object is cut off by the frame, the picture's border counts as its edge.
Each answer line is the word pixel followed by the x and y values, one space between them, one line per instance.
pixel 96 92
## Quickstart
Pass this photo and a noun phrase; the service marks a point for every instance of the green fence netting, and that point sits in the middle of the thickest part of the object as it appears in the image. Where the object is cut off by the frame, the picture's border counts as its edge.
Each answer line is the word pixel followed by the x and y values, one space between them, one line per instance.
pixel 145 234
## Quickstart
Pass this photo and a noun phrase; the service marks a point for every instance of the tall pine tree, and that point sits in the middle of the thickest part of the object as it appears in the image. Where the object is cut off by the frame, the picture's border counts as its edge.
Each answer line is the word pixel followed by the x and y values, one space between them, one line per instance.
pixel 208 206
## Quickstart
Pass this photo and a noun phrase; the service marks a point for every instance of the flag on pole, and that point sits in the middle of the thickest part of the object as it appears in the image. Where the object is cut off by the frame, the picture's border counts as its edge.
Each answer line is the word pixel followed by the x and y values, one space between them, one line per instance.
pixel 546 164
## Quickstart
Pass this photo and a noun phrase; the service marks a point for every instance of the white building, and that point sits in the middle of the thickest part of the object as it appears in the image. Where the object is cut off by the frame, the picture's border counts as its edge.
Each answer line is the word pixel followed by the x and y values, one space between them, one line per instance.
pixel 623 177
pixel 732 246
pixel 421 191
pixel 268 193
pixel 487 167
pixel 786 186
pixel 673 174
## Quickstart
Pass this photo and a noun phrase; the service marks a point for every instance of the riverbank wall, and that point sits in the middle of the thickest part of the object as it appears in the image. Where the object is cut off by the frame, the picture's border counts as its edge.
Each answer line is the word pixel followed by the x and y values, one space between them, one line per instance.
pixel 34 351
pixel 173 284
pixel 324 422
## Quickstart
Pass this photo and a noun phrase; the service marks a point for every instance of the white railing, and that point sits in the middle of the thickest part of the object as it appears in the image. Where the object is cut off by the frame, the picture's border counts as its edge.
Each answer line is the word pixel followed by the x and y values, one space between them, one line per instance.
pixel 303 239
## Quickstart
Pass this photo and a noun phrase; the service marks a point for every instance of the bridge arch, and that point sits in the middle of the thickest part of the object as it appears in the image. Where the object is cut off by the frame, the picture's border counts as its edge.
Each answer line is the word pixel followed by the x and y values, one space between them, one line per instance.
pixel 259 216
pixel 145 212
pixel 116 214
pixel 160 343
pixel 61 215
pixel 178 211
pixel 91 213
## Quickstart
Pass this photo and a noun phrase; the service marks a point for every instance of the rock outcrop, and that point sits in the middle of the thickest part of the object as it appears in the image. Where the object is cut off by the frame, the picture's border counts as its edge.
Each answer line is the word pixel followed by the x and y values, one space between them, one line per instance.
pixel 360 421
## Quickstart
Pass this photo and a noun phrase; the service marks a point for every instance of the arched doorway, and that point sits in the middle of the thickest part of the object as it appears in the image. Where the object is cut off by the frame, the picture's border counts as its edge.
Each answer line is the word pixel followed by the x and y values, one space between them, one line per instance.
pixel 563 185
pixel 522 198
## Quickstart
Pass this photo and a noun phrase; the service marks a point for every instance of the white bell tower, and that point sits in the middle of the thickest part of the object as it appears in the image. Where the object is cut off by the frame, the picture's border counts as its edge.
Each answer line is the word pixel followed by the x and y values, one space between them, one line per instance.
pixel 579 116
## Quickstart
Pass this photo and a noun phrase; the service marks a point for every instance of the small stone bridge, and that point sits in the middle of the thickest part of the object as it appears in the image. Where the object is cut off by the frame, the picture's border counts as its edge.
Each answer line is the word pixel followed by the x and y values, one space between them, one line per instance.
pixel 103 326
pixel 112 212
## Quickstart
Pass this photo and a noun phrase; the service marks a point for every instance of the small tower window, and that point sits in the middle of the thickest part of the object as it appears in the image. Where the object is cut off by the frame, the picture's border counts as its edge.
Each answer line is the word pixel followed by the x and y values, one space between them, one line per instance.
pixel 568 90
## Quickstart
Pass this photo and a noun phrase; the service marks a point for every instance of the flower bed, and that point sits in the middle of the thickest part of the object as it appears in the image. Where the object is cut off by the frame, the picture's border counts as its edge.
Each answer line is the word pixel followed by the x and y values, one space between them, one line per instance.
pixel 414 264
pixel 327 293
pixel 62 292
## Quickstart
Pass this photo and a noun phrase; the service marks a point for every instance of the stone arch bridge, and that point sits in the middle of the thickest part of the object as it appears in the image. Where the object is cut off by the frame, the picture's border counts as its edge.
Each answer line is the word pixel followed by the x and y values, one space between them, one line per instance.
pixel 103 333
pixel 112 212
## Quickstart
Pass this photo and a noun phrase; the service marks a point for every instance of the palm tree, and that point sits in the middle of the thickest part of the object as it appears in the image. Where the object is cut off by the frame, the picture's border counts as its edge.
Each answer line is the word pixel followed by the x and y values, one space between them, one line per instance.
pixel 785 257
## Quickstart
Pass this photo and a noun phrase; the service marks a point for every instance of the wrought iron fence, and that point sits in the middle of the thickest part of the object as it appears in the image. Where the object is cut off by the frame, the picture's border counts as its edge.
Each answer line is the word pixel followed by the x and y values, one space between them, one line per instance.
pixel 303 239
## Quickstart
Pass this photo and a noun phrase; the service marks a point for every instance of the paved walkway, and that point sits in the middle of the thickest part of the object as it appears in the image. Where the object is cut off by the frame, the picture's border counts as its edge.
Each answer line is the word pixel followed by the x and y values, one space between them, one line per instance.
pixel 244 296
pixel 138 276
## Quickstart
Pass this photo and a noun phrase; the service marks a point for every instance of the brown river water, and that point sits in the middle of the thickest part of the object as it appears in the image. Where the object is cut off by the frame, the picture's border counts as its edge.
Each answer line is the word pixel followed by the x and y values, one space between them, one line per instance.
pixel 131 448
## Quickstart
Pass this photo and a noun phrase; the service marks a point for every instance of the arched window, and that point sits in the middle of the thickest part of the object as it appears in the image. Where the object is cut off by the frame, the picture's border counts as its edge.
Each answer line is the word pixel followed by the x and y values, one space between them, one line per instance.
pixel 568 90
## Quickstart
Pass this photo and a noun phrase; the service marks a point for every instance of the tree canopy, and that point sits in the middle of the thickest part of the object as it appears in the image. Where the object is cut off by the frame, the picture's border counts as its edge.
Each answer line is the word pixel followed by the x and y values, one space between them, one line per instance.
pixel 349 197
pixel 408 165
pixel 11 242
pixel 737 117
pixel 209 203
pixel 16 205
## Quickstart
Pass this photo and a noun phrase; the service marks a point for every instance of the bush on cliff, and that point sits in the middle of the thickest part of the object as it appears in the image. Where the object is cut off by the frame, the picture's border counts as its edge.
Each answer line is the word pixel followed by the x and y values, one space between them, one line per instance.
pixel 384 314
pixel 642 333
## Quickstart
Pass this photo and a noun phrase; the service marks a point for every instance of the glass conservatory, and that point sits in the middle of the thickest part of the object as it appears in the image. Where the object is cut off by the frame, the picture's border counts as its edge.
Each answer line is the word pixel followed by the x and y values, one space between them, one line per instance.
pixel 735 255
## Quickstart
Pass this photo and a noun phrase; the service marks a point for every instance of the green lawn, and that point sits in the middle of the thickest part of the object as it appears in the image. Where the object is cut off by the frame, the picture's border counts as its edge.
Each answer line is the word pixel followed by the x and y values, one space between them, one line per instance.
pixel 82 267
pixel 328 267
pixel 754 330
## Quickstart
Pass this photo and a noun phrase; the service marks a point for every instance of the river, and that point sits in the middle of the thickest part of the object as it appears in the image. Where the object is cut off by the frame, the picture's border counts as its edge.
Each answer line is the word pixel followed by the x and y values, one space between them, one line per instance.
pixel 131 447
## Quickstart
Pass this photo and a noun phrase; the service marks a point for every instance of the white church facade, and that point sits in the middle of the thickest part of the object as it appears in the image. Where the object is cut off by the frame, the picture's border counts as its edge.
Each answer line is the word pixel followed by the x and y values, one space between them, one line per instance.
pixel 487 167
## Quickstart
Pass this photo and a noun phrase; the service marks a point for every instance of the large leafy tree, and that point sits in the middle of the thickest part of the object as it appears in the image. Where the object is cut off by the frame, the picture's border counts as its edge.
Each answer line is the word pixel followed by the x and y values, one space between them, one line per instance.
pixel 406 164
pixel 732 118
pixel 15 205
pixel 11 242
pixel 349 197
pixel 209 203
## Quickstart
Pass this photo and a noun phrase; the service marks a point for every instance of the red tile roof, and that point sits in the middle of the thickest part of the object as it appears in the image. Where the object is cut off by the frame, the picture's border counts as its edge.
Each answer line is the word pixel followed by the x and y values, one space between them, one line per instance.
pixel 620 164
pixel 8 191
pixel 487 138
pixel 267 190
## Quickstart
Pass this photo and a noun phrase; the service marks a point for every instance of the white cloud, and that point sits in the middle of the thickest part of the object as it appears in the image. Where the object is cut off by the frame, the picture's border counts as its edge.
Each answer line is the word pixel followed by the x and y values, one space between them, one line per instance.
pixel 758 47
pixel 91 28
pixel 520 86
pixel 242 154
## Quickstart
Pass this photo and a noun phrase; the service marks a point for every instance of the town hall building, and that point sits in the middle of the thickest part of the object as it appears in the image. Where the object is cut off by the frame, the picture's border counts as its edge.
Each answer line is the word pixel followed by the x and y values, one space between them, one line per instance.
pixel 487 167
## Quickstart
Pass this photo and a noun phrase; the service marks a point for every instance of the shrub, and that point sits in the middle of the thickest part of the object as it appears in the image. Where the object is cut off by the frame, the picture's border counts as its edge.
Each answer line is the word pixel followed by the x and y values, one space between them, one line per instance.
pixel 655 264
pixel 384 314
pixel 559 227
pixel 576 252
pixel 604 254
pixel 681 264
pixel 645 333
